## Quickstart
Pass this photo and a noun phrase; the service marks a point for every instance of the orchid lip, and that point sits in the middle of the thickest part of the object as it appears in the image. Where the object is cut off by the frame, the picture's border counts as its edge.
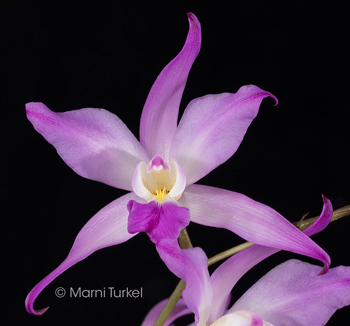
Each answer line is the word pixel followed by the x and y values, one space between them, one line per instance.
pixel 159 180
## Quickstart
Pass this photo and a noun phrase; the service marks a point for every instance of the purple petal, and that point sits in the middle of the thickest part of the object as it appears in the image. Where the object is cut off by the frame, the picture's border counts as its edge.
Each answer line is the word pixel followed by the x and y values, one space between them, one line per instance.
pixel 229 272
pixel 179 310
pixel 323 220
pixel 159 115
pixel 211 129
pixel 191 265
pixel 107 228
pixel 160 221
pixel 249 219
pixel 95 143
pixel 291 294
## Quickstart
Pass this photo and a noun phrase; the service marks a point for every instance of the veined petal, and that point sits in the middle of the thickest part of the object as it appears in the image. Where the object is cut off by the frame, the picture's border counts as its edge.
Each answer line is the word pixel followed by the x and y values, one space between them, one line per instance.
pixel 211 129
pixel 295 296
pixel 179 310
pixel 160 221
pixel 159 115
pixel 191 265
pixel 229 272
pixel 249 219
pixel 95 143
pixel 107 228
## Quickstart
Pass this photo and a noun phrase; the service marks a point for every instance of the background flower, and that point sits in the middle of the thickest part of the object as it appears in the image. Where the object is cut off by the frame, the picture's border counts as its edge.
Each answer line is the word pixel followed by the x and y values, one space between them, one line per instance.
pixel 289 295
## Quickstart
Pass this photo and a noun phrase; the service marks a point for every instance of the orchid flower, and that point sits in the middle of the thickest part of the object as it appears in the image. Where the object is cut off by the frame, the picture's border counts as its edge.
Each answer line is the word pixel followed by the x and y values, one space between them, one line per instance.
pixel 160 171
pixel 289 295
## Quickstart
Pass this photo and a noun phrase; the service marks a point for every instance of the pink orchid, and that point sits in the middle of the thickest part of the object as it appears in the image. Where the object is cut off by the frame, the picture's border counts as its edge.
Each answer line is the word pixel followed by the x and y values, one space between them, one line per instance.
pixel 161 169
pixel 289 295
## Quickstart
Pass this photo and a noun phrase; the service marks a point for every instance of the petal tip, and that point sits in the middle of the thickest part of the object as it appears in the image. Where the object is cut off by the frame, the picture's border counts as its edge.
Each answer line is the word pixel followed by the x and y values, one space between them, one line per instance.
pixel 30 309
pixel 40 311
pixel 191 16
pixel 29 107
pixel 324 270
pixel 32 105
pixel 275 98
pixel 194 22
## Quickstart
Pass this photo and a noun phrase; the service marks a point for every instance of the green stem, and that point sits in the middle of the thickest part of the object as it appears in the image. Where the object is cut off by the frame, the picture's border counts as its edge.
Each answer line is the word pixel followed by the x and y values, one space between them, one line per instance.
pixel 184 239
pixel 174 298
pixel 185 242
pixel 229 252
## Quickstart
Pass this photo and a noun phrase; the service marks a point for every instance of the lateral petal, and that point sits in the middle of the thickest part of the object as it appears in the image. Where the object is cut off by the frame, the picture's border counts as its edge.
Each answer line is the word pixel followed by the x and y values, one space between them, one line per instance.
pixel 249 219
pixel 212 128
pixel 191 265
pixel 295 296
pixel 95 143
pixel 159 115
pixel 229 272
pixel 107 228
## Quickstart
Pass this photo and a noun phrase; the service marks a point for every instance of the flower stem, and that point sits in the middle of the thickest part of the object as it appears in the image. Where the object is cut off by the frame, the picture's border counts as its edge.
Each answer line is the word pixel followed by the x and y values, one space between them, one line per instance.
pixel 229 252
pixel 184 239
pixel 174 298
pixel 185 242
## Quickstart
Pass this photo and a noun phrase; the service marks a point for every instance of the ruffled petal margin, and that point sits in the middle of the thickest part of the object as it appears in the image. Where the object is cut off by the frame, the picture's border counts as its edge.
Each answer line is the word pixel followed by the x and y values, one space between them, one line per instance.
pixel 95 143
pixel 160 113
pixel 212 128
pixel 249 219
pixel 107 228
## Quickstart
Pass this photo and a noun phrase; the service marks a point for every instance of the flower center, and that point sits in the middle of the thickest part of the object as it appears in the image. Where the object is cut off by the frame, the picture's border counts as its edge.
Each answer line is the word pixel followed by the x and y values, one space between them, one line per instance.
pixel 160 194
pixel 159 180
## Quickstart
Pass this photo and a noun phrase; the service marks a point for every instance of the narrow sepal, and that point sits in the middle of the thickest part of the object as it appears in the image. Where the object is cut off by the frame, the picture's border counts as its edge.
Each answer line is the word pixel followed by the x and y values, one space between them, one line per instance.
pixel 160 113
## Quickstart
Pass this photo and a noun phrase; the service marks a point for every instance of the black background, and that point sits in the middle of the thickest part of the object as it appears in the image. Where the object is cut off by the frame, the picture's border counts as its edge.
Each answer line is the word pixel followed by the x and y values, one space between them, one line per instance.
pixel 108 56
